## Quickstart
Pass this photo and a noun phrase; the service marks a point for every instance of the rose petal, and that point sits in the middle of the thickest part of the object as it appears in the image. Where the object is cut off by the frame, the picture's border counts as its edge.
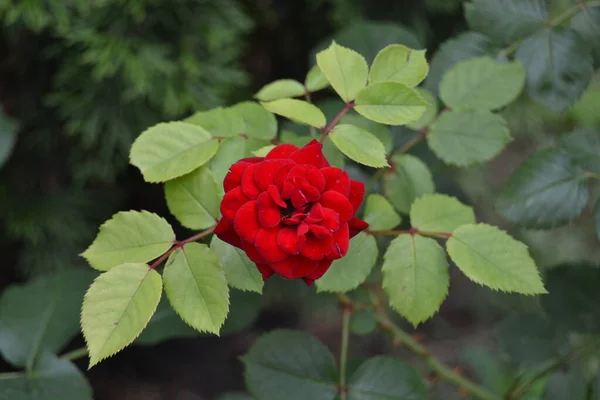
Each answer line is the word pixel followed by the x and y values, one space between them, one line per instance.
pixel 224 231
pixel 281 174
pixel 266 244
pixel 310 192
pixel 265 271
pixel 265 172
pixel 341 242
pixel 281 151
pixel 315 214
pixel 319 231
pixel 269 214
pixel 331 220
pixel 298 198
pixel 233 178
pixel 338 203
pixel 248 185
pixel 336 179
pixel 318 272
pixel 301 236
pixel 357 194
pixel 276 196
pixel 356 226
pixel 317 249
pixel 246 222
pixel 311 154
pixel 310 173
pixel 287 240
pixel 232 201
pixel 294 267
pixel 252 253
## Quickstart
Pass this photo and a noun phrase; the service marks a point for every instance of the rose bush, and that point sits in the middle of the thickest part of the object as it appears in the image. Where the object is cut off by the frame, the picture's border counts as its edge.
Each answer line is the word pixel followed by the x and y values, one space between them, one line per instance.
pixel 290 211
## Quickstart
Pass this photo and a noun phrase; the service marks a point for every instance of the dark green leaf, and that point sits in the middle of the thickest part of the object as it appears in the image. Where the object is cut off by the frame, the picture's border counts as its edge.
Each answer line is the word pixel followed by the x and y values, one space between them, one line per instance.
pixel 234 396
pixel 587 24
pixel 583 146
pixel 547 190
pixel 363 322
pixel 558 65
pixel 388 378
pixel 290 365
pixel 585 111
pixel 567 385
pixel 409 179
pixel 164 325
pixel 487 368
pixel 574 299
pixel 597 218
pixel 243 311
pixel 8 136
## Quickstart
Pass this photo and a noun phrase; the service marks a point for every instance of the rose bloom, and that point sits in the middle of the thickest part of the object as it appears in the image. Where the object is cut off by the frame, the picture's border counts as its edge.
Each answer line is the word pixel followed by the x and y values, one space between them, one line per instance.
pixel 291 212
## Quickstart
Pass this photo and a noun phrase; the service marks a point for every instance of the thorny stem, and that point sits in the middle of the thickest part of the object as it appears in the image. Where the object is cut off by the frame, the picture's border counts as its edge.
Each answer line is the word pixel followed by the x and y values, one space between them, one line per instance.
pixel 329 128
pixel 347 313
pixel 412 231
pixel 178 244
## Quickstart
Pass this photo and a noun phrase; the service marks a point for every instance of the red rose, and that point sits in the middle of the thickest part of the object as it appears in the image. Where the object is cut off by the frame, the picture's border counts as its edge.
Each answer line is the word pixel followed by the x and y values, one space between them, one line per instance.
pixel 290 211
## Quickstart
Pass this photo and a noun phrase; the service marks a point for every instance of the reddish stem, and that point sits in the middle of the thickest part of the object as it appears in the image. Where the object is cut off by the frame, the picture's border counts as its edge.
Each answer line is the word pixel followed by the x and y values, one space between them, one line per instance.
pixel 411 231
pixel 179 244
pixel 329 128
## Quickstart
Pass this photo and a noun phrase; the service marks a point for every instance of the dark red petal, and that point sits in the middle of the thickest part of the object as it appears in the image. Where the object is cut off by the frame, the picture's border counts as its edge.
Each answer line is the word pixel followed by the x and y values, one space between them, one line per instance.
pixel 301 236
pixel 246 222
pixel 296 218
pixel 315 214
pixel 276 196
pixel 233 178
pixel 281 174
pixel 281 151
pixel 310 173
pixel 294 267
pixel 357 194
pixel 319 231
pixel 265 271
pixel 331 220
pixel 253 160
pixel 252 253
pixel 320 271
pixel 266 244
pixel 342 241
pixel 311 154
pixel 286 240
pixel 224 231
pixel 265 172
pixel 356 226
pixel 317 249
pixel 310 192
pixel 269 214
pixel 298 198
pixel 338 203
pixel 249 186
pixel 232 201
pixel 336 179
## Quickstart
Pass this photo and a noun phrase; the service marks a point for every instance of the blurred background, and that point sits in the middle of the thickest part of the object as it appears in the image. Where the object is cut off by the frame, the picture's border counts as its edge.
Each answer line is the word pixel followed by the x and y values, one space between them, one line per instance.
pixel 80 79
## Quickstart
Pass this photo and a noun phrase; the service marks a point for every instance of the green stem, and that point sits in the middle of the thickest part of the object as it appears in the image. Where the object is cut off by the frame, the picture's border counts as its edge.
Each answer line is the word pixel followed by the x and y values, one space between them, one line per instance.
pixel 178 244
pixel 75 354
pixel 344 349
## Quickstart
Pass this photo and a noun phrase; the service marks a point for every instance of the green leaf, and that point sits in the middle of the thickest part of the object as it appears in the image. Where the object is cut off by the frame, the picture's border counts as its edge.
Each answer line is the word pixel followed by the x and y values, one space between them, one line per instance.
pixel 390 103
pixel 408 180
pixel 290 365
pixel 315 80
pixel 53 378
pixel 129 236
pixel 263 151
pixel 243 310
pixel 584 111
pixel 380 131
pixel 164 325
pixel 280 89
pixel 574 299
pixel 399 63
pixel 230 151
pixel 345 69
pixel 492 258
pixel 554 79
pixel 431 111
pixel 298 111
pixel 597 218
pixel 482 83
pixel 583 146
pixel 196 287
pixel 415 277
pixel 360 145
pixel 363 322
pixel 117 307
pixel 291 137
pixel 240 271
pixel 333 154
pixel 587 24
pixel 194 199
pixel 506 21
pixel 258 123
pixel 219 121
pixel 547 190
pixel 8 136
pixel 567 385
pixel 487 368
pixel 380 214
pixel 351 270
pixel 468 137
pixel 463 47
pixel 388 378
pixel 440 213
pixel 169 150
pixel 42 315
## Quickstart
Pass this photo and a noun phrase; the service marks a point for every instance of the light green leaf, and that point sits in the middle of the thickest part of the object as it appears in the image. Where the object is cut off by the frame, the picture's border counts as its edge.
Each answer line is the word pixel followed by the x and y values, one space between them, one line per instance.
pixel 440 213
pixel 194 199
pixel 468 137
pixel 390 103
pixel 219 121
pixel 298 111
pixel 346 70
pixel 351 270
pixel 492 258
pixel 399 63
pixel 290 365
pixel 258 123
pixel 263 151
pixel 506 21
pixel 291 137
pixel 430 112
pixel 554 79
pixel 386 378
pixel 587 24
pixel 53 378
pixel 380 131
pixel 164 325
pixel 196 287
pixel 42 315
pixel 408 180
pixel 169 150
pixel 129 236
pixel 117 307
pixel 315 79
pixel 547 190
pixel 333 154
pixel 280 89
pixel 241 273
pixel 8 136
pixel 380 214
pixel 415 277
pixel 360 145
pixel 583 146
pixel 230 151
pixel 482 83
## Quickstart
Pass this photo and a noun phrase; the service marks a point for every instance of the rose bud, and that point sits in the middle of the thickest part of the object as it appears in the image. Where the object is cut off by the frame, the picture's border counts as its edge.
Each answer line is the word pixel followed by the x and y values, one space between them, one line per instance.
pixel 290 211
